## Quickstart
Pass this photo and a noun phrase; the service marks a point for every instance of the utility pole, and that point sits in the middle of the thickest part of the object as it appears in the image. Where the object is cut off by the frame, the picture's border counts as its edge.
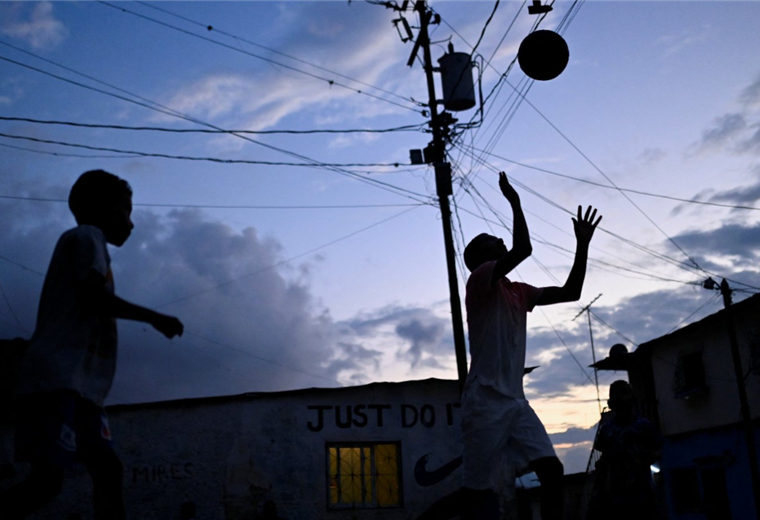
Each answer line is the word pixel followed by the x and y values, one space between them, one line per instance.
pixel 436 154
pixel 743 402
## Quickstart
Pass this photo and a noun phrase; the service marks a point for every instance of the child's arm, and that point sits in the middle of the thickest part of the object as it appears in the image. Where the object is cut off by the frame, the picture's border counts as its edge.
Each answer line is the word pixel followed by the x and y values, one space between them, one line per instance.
pixel 571 291
pixel 521 246
pixel 96 297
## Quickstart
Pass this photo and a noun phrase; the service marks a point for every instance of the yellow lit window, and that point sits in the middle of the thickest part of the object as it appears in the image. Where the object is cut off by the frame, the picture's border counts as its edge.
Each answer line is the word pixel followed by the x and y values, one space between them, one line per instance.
pixel 363 475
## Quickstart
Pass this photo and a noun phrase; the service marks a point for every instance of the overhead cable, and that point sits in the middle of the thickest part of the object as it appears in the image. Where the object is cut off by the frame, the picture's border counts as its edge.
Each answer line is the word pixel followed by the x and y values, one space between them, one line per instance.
pixel 260 358
pixel 661 256
pixel 599 170
pixel 330 82
pixel 612 187
pixel 226 206
pixel 195 158
pixel 194 120
pixel 210 28
pixel 296 257
pixel 405 128
pixel 126 155
pixel 600 264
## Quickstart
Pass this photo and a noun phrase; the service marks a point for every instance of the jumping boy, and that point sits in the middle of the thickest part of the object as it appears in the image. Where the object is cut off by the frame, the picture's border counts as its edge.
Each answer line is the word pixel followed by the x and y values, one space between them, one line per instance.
pixel 497 421
pixel 69 366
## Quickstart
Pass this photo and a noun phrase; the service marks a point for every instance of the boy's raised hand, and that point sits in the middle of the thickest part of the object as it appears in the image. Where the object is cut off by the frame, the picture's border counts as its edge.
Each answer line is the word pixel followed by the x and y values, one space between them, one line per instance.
pixel 585 225
pixel 507 190
pixel 169 326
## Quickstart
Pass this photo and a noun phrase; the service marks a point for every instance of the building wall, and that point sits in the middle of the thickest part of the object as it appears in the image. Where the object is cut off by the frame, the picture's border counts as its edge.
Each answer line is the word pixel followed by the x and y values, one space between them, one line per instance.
pixel 719 404
pixel 707 475
pixel 227 455
pixel 705 465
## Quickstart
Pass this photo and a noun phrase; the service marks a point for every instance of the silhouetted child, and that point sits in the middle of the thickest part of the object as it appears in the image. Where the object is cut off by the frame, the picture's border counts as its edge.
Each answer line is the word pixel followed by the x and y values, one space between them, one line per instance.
pixel 499 428
pixel 629 445
pixel 68 369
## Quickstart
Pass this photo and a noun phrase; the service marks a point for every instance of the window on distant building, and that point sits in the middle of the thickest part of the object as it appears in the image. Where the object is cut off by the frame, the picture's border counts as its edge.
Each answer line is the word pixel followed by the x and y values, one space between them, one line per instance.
pixel 690 379
pixel 363 475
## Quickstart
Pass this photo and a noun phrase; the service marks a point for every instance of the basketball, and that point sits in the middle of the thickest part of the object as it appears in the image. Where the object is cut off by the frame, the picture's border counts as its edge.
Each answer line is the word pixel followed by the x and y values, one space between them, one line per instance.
pixel 543 55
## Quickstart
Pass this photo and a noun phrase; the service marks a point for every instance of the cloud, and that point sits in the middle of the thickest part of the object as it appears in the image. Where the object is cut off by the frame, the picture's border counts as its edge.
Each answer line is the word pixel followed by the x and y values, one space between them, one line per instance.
pixel 574 435
pixel 750 96
pixel 417 336
pixel 744 195
pixel 249 326
pixel 737 131
pixel 40 28
pixel 573 447
pixel 724 131
pixel 652 155
pixel 734 240
pixel 750 143
pixel 676 43
pixel 268 93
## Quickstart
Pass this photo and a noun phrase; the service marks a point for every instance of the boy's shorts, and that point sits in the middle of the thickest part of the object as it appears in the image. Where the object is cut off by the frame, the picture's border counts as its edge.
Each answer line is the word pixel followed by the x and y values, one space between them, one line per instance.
pixel 60 428
pixel 502 436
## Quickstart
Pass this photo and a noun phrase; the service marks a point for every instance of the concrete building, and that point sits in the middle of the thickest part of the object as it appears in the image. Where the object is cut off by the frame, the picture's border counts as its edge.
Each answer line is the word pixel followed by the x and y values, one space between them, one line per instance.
pixel 379 451
pixel 686 384
pixel 384 450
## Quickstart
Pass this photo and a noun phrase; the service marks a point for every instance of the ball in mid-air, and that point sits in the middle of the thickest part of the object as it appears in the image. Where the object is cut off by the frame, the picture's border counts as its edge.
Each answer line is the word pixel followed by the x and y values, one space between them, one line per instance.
pixel 543 55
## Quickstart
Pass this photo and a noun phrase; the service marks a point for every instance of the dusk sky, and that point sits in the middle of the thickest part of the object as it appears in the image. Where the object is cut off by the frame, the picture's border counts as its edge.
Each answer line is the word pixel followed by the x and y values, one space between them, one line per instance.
pixel 317 275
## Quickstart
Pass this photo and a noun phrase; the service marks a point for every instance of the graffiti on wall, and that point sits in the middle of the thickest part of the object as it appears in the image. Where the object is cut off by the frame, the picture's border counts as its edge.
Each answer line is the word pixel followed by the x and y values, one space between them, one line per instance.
pixel 161 473
pixel 379 415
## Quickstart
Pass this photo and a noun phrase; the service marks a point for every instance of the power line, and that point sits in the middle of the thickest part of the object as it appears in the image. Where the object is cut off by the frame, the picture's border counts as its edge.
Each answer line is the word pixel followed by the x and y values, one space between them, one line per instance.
pixel 483 31
pixel 247 276
pixel 330 82
pixel 711 300
pixel 192 158
pixel 210 28
pixel 306 253
pixel 131 155
pixel 661 256
pixel 611 187
pixel 599 170
pixel 591 313
pixel 64 154
pixel 20 265
pixel 538 239
pixel 260 358
pixel 165 110
pixel 227 206
pixel 406 128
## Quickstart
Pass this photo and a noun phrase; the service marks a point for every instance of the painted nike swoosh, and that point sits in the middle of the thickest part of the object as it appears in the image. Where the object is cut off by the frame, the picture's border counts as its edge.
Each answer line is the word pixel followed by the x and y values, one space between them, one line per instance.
pixel 426 478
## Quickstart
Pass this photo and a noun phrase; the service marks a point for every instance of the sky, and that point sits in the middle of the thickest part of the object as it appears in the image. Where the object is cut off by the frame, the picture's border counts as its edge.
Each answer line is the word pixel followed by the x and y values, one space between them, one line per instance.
pixel 318 275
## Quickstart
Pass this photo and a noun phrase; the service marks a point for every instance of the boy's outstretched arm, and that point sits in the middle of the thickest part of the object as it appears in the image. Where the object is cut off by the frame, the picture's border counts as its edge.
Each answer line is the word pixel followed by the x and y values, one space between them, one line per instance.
pixel 521 246
pixel 584 229
pixel 97 297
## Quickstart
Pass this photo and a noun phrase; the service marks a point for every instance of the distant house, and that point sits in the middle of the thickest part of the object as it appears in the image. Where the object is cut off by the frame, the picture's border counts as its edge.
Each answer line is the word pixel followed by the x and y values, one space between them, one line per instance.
pixel 686 384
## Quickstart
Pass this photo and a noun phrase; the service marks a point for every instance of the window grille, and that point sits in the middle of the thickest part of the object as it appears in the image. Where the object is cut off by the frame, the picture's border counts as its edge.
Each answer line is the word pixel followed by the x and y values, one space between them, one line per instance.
pixel 363 475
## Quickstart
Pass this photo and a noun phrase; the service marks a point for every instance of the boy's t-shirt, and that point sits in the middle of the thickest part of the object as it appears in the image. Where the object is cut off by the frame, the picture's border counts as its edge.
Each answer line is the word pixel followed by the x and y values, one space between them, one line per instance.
pixel 496 322
pixel 73 347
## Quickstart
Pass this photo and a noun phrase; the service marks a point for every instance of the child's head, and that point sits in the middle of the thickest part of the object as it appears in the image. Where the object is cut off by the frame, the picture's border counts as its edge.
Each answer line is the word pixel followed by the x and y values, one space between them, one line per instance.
pixel 483 248
pixel 622 400
pixel 101 199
